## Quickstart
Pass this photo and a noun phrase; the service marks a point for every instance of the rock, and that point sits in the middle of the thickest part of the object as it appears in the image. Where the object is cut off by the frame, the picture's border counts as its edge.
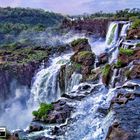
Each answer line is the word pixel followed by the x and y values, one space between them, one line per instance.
pixel 86 70
pixel 123 98
pixel 133 34
pixel 128 116
pixel 95 27
pixel 61 111
pixel 80 44
pixel 45 138
pixel 103 58
pixel 117 133
pixel 134 72
pixel 35 127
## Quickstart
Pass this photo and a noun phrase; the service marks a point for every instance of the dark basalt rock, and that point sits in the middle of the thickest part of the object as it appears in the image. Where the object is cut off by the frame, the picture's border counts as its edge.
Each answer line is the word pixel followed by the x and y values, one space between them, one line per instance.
pixel 133 33
pixel 127 113
pixel 96 27
pixel 45 138
pixel 60 112
pixel 35 127
pixel 103 58
pixel 123 98
pixel 117 133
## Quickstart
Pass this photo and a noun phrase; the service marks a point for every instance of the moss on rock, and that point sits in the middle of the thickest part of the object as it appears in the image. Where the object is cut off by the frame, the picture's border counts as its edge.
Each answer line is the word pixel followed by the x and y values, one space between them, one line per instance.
pixel 128 52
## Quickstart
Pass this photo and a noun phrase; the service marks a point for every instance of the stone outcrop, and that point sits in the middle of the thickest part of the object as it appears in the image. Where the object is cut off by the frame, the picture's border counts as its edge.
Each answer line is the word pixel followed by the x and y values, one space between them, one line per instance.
pixel 60 112
pixel 95 27
pixel 133 34
pixel 83 58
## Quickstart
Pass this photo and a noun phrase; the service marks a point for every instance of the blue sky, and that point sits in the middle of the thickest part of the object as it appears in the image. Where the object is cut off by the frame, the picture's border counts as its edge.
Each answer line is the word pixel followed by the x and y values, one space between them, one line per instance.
pixel 73 6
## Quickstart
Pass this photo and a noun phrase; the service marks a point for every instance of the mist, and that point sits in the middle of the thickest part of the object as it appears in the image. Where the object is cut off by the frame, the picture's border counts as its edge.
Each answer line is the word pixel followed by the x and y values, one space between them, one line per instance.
pixel 17 112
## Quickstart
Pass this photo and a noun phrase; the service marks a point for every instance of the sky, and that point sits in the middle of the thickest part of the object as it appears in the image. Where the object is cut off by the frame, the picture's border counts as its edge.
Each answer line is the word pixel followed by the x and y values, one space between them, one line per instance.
pixel 73 7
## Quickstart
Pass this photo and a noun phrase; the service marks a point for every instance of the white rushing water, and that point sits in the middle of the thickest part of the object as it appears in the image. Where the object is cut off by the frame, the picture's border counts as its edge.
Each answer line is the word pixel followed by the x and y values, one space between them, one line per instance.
pixel 45 87
pixel 88 123
pixel 112 35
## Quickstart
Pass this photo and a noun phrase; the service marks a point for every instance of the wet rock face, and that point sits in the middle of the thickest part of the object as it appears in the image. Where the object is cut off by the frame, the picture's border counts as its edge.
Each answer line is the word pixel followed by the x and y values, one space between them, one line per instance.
pixel 83 58
pixel 103 58
pixel 127 113
pixel 45 138
pixel 117 133
pixel 133 33
pixel 80 44
pixel 23 74
pixel 97 27
pixel 134 72
pixel 35 127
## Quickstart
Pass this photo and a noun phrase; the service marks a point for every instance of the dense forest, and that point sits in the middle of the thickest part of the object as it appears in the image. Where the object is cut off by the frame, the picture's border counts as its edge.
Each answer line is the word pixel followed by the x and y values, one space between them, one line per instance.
pixel 22 25
pixel 15 20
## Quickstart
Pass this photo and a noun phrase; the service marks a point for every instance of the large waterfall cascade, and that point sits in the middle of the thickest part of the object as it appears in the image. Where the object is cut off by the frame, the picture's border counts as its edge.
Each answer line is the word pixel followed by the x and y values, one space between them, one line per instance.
pixel 94 125
pixel 45 88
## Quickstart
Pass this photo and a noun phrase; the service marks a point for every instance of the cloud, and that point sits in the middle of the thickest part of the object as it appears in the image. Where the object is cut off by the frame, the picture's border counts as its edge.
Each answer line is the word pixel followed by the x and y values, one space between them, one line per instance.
pixel 73 6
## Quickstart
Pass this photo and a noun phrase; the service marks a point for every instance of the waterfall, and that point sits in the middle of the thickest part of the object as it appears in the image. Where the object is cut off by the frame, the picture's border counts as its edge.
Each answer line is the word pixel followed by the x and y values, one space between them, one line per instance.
pixel 112 35
pixel 45 87
pixel 74 81
pixel 124 30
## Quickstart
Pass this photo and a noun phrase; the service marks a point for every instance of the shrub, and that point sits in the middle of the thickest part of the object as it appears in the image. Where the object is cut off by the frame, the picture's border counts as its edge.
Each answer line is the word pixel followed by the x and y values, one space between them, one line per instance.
pixel 138 45
pixel 85 54
pixel 43 110
pixel 136 24
pixel 106 70
pixel 119 64
pixel 79 41
pixel 127 73
pixel 128 52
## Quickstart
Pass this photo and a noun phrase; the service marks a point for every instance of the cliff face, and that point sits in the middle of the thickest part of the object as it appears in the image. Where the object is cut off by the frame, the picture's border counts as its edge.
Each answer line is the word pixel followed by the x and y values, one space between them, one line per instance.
pixel 96 27
pixel 21 74
pixel 18 67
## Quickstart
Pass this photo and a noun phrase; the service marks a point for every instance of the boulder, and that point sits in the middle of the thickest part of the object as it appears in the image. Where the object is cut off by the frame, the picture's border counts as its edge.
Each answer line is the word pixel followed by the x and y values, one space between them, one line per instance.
pixel 80 44
pixel 133 34
pixel 85 58
pixel 103 58
pixel 35 127
pixel 117 133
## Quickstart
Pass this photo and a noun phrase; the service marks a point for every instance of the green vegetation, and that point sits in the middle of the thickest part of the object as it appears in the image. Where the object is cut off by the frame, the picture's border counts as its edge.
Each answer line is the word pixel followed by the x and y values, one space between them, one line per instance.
pixel 22 56
pixel 127 73
pixel 106 70
pixel 125 14
pixel 14 21
pixel 119 64
pixel 43 110
pixel 84 54
pixel 79 41
pixel 112 35
pixel 128 52
pixel 138 45
pixel 135 24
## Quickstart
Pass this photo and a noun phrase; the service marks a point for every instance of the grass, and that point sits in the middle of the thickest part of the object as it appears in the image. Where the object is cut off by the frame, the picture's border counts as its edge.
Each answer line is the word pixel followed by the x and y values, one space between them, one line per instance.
pixel 106 70
pixel 84 54
pixel 136 24
pixel 79 41
pixel 138 45
pixel 119 64
pixel 43 110
pixel 23 56
pixel 128 52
